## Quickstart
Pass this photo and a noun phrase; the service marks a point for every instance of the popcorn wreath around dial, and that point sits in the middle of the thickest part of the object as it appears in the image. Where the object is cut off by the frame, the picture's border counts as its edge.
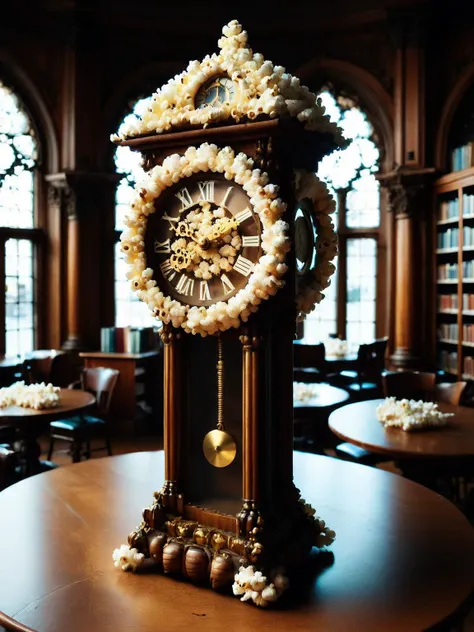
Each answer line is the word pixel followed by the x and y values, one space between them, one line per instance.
pixel 204 239
pixel 316 241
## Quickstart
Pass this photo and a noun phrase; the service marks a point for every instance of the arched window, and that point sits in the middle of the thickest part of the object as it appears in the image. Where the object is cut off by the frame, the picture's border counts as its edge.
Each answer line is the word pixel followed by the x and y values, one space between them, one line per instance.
pixel 129 310
pixel 19 233
pixel 349 307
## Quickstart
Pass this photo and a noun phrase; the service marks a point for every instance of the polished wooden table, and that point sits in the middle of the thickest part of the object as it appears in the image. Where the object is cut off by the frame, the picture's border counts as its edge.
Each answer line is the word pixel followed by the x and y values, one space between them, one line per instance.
pixel 403 557
pixel 311 417
pixel 326 396
pixel 358 424
pixel 335 364
pixel 31 423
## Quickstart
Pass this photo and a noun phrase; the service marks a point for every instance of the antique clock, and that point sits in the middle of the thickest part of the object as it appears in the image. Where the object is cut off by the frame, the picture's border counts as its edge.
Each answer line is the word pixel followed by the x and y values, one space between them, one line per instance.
pixel 210 243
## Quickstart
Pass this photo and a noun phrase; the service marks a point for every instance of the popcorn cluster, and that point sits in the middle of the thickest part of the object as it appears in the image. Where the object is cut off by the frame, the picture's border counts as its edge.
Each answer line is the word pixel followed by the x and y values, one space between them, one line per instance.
pixel 250 584
pixel 262 90
pixel 36 396
pixel 310 287
pixel 324 535
pixel 205 263
pixel 409 414
pixel 127 559
pixel 304 392
pixel 336 348
pixel 266 277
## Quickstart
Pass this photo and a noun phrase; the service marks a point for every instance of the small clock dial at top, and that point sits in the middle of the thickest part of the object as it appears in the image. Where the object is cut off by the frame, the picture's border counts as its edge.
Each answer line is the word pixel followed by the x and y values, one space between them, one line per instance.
pixel 203 241
pixel 215 92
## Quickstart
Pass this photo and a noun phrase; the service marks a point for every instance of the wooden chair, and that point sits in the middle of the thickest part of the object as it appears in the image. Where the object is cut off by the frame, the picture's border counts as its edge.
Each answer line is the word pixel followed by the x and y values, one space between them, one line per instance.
pixel 365 381
pixel 409 385
pixel 42 366
pixel 309 363
pixel 8 466
pixel 81 430
pixel 450 392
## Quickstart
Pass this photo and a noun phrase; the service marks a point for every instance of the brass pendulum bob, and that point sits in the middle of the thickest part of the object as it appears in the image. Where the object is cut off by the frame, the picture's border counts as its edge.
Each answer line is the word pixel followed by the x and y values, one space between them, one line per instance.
pixel 219 447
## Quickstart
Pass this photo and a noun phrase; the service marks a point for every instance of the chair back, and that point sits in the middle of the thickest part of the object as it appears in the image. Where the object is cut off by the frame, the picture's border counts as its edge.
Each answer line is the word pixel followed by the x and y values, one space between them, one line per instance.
pixel 100 381
pixel 409 385
pixel 450 392
pixel 8 460
pixel 310 357
pixel 371 360
pixel 40 365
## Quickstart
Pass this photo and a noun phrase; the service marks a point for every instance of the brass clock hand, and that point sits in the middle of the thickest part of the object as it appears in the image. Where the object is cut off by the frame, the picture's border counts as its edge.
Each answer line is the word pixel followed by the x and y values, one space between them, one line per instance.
pixel 184 230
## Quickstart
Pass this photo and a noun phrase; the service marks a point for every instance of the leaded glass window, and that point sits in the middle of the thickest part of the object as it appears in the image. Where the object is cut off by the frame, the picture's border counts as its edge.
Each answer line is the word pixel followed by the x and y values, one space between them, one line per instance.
pixel 349 307
pixel 129 310
pixel 18 164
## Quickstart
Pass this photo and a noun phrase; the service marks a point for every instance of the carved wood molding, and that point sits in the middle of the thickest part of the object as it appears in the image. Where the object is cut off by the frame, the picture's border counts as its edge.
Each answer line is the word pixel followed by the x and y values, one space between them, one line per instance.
pixel 409 191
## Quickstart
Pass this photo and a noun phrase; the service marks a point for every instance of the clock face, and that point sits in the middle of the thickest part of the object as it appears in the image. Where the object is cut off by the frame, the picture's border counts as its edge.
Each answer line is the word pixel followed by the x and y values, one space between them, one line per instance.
pixel 203 240
pixel 216 91
pixel 304 239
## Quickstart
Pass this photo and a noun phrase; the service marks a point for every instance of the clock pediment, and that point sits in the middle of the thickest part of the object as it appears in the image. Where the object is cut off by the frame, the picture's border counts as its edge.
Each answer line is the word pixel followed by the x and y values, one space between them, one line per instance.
pixel 234 85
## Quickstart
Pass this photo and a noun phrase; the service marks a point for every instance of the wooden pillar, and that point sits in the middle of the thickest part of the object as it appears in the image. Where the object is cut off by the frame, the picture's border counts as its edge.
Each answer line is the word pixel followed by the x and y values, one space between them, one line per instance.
pixel 83 200
pixel 409 188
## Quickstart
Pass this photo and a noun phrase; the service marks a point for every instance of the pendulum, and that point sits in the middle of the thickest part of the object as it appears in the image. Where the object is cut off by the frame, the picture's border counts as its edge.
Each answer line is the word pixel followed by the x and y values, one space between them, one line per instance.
pixel 219 446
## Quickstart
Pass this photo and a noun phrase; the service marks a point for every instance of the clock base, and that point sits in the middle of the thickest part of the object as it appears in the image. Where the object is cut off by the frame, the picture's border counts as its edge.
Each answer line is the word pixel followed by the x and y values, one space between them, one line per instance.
pixel 207 546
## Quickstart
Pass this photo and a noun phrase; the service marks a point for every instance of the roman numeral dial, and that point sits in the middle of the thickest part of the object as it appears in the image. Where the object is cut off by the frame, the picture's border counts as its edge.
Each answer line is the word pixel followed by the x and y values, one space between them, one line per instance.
pixel 186 236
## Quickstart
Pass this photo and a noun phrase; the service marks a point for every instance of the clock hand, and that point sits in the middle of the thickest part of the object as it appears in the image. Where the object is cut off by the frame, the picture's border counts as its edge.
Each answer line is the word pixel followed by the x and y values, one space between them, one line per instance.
pixel 223 227
pixel 184 230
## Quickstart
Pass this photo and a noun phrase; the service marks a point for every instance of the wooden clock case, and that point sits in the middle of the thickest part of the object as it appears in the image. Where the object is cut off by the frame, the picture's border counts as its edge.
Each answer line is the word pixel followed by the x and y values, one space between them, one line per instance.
pixel 205 522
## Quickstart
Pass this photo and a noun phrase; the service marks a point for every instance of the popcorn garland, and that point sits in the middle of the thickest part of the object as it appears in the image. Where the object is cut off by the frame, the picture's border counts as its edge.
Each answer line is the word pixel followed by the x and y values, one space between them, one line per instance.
pixel 262 90
pixel 336 348
pixel 324 535
pixel 409 414
pixel 36 396
pixel 265 279
pixel 303 392
pixel 310 287
pixel 127 559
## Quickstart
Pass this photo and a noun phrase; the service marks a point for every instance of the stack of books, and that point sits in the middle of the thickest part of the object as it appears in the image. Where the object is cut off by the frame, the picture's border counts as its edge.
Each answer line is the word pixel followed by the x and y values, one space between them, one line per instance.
pixel 449 209
pixel 128 339
pixel 449 238
pixel 468 302
pixel 448 301
pixel 469 366
pixel 448 361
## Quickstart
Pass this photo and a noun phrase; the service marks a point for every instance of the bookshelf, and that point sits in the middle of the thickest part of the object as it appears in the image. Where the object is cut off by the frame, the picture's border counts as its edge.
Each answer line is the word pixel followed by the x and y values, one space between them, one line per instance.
pixel 453 245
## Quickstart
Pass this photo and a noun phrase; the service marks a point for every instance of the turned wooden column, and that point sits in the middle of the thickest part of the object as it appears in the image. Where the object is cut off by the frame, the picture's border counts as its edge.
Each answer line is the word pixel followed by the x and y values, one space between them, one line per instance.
pixel 409 190
pixel 171 415
pixel 409 195
pixel 85 203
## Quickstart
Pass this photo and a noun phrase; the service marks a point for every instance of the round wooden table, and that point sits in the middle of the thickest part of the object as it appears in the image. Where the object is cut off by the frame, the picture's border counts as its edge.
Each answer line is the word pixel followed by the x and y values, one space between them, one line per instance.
pixel 358 424
pixel 31 423
pixel 326 396
pixel 335 364
pixel 311 417
pixel 403 556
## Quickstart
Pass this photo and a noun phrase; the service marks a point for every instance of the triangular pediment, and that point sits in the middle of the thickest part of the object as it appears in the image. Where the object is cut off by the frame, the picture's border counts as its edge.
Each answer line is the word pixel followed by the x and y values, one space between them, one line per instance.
pixel 234 85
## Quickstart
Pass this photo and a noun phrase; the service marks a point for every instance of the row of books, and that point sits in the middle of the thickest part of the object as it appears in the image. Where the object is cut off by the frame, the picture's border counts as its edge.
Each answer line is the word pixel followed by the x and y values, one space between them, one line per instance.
pixel 462 157
pixel 468 269
pixel 128 339
pixel 468 301
pixel 449 238
pixel 448 331
pixel 467 204
pixel 447 301
pixel 448 271
pixel 468 236
pixel 448 360
pixel 469 366
pixel 449 209
pixel 468 333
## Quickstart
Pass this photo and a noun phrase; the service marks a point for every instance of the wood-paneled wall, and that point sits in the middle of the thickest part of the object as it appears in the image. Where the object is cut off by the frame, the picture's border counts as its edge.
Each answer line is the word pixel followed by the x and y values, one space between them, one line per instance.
pixel 79 64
